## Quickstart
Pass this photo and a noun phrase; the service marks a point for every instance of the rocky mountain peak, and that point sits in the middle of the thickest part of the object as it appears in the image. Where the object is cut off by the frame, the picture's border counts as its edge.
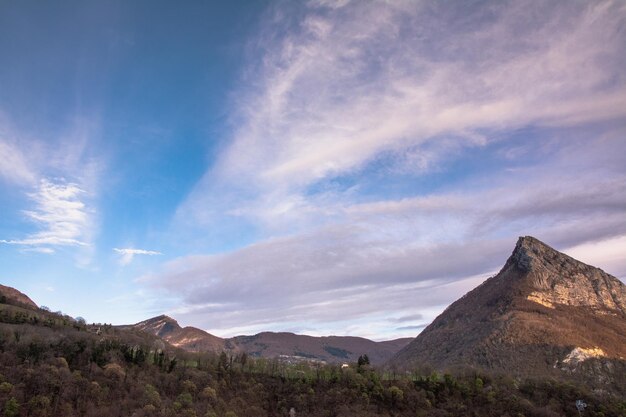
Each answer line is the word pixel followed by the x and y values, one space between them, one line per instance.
pixel 530 254
pixel 165 318
pixel 552 278
pixel 160 325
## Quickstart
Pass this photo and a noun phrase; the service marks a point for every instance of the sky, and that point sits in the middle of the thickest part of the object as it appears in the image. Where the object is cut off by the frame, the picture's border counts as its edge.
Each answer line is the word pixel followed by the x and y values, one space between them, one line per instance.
pixel 320 167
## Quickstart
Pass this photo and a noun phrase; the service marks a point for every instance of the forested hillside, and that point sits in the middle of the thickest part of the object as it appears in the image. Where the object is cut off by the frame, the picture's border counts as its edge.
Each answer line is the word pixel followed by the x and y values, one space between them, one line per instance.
pixel 52 365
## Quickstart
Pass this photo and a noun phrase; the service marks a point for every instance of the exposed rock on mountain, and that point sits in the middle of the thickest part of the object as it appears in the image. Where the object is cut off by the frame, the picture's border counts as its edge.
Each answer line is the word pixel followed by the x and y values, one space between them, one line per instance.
pixel 13 296
pixel 544 312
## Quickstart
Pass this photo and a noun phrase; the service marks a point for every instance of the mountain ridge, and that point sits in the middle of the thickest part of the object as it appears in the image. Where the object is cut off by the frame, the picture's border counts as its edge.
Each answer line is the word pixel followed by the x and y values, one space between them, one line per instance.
pixel 267 344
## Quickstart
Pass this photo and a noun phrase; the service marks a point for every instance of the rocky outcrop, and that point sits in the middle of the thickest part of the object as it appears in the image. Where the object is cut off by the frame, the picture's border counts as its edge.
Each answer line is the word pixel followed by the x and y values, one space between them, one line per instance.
pixel 559 279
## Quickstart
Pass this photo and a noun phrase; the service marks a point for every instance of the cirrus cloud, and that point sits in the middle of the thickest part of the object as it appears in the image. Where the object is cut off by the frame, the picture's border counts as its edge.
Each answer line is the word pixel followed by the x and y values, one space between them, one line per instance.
pixel 60 215
pixel 129 253
pixel 337 87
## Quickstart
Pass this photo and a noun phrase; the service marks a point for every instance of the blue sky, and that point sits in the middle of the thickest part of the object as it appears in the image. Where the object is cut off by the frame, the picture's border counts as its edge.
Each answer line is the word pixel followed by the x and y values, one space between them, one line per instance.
pixel 323 167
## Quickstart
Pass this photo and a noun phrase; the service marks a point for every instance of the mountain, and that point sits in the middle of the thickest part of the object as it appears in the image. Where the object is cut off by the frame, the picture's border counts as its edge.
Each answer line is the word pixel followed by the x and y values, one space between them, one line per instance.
pixel 12 296
pixel 288 346
pixel 187 338
pixel 543 313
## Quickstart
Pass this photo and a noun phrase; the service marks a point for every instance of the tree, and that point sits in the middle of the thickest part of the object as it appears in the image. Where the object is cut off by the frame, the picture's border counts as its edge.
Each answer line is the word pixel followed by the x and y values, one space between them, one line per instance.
pixel 395 395
pixel 39 405
pixel 208 393
pixel 151 396
pixel 363 361
pixel 11 408
pixel 6 387
pixel 185 400
pixel 222 365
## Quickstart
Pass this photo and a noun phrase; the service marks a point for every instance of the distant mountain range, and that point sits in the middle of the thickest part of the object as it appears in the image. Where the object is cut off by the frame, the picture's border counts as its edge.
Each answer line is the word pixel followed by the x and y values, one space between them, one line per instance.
pixel 543 313
pixel 288 346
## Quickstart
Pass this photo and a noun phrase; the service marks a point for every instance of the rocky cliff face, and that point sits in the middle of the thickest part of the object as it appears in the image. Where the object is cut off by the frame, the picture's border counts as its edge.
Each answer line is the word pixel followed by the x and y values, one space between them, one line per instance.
pixel 557 279
pixel 544 312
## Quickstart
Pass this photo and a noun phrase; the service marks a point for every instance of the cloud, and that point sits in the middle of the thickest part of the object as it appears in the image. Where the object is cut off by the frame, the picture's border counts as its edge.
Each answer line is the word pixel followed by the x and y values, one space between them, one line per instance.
pixel 416 327
pixel 412 317
pixel 335 89
pixel 57 171
pixel 517 107
pixel 14 166
pixel 61 216
pixel 35 249
pixel 129 253
pixel 609 253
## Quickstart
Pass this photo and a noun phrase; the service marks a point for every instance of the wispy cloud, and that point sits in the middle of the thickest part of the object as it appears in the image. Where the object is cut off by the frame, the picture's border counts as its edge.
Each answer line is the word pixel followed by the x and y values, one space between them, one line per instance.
pixel 411 317
pixel 412 80
pixel 60 215
pixel 57 172
pixel 412 328
pixel 343 88
pixel 13 164
pixel 129 253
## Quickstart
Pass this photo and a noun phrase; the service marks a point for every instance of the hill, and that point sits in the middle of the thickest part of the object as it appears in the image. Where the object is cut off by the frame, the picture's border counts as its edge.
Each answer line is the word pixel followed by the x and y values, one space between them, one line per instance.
pixel 544 313
pixel 12 296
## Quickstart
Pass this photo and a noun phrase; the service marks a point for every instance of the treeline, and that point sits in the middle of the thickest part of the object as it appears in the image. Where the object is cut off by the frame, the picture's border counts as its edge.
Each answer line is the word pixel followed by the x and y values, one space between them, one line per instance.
pixel 64 370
